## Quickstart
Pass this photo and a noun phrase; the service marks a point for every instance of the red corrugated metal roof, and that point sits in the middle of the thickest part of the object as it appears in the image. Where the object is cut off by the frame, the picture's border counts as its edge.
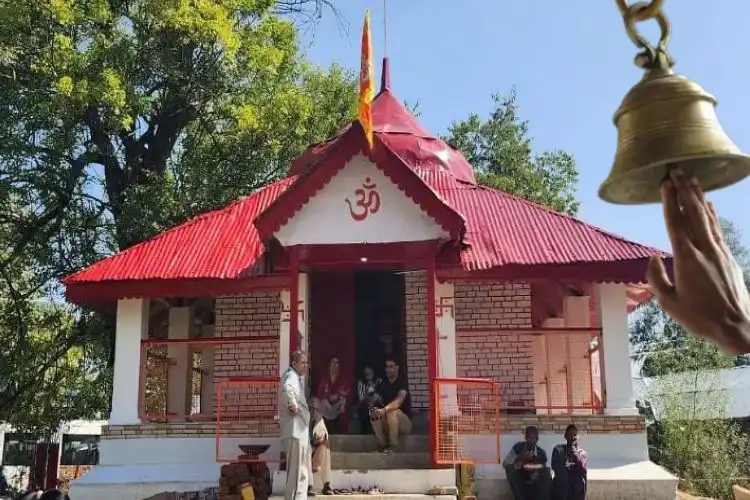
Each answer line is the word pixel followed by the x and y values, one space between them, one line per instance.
pixel 219 244
pixel 505 230
pixel 501 230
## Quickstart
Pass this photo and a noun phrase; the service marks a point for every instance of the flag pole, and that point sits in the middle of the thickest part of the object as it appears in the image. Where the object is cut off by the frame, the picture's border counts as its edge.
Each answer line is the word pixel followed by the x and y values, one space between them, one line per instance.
pixel 385 28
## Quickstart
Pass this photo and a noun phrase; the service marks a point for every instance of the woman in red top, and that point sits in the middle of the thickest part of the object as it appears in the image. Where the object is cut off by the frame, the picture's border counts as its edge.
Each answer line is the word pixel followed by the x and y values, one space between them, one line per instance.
pixel 333 393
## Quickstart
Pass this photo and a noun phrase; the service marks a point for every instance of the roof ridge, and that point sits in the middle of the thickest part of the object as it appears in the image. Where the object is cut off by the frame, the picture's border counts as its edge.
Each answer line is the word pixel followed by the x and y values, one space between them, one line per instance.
pixel 181 226
pixel 567 217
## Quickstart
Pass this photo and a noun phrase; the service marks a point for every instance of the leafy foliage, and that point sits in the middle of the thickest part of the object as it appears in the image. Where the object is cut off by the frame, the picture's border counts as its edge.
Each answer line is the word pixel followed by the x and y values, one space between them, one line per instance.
pixel 502 155
pixel 692 436
pixel 122 119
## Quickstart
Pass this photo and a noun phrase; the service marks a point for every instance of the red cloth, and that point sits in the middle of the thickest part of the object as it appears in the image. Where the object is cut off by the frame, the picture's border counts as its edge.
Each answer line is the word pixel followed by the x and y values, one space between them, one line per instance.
pixel 341 387
pixel 327 388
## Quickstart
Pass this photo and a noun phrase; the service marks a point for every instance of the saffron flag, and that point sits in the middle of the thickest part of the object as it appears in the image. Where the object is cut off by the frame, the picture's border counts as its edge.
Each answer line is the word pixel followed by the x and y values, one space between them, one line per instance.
pixel 366 83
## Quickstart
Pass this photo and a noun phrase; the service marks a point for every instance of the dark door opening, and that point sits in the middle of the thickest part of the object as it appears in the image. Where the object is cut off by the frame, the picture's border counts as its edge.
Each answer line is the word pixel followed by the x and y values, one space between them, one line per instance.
pixel 379 324
pixel 359 319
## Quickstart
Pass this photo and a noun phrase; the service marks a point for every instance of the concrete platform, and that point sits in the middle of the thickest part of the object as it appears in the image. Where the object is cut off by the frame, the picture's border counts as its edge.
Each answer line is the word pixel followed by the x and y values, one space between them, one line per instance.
pixel 642 480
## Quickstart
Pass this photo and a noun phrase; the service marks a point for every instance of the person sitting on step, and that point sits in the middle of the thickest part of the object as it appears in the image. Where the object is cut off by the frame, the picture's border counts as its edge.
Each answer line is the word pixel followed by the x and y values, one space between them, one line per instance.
pixel 367 392
pixel 394 418
pixel 321 455
pixel 526 468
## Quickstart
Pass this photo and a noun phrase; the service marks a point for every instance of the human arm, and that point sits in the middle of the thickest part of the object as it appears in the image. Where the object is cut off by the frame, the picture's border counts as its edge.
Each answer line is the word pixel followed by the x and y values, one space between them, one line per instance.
pixel 708 296
pixel 511 459
pixel 397 401
pixel 289 386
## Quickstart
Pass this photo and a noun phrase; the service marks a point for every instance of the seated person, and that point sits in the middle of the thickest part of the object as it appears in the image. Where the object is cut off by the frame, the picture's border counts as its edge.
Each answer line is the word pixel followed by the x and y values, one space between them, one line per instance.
pixel 321 454
pixel 394 418
pixel 369 399
pixel 570 464
pixel 526 468
pixel 333 393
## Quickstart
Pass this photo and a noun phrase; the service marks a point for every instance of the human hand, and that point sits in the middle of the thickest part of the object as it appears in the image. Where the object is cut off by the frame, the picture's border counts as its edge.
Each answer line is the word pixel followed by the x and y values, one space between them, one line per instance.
pixel 708 297
pixel 377 413
pixel 292 408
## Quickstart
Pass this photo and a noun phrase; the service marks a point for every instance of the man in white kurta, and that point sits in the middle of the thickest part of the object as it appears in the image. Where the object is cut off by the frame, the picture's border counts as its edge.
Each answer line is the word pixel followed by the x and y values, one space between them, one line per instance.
pixel 294 420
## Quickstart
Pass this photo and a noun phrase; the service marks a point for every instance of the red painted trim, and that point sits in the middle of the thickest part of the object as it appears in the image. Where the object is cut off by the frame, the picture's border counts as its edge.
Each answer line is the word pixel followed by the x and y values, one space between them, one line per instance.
pixel 629 271
pixel 351 143
pixel 530 331
pixel 104 292
pixel 395 253
pixel 294 302
pixel 432 353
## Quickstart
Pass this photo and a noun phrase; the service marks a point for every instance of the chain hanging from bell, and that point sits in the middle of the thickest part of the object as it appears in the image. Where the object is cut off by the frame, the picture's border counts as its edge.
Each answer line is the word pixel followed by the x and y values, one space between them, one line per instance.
pixel 666 122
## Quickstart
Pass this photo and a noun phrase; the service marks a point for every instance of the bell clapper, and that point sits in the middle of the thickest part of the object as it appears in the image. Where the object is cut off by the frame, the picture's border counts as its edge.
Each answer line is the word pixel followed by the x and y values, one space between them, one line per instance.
pixel 666 121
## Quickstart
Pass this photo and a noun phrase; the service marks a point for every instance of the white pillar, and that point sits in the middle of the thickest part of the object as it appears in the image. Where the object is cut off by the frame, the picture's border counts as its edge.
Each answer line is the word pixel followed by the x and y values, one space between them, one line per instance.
pixel 208 386
pixel 302 321
pixel 303 317
pixel 613 318
pixel 180 375
pixel 131 327
pixel 445 324
pixel 284 331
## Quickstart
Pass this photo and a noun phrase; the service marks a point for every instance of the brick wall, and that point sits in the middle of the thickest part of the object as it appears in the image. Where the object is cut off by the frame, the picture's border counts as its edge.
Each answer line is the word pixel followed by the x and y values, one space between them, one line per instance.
pixel 256 314
pixel 509 424
pixel 415 306
pixel 488 345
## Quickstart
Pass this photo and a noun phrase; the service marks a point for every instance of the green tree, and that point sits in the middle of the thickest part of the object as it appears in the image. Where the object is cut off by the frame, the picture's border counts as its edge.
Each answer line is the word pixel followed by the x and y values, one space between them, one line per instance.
pixel 124 118
pixel 501 152
pixel 692 436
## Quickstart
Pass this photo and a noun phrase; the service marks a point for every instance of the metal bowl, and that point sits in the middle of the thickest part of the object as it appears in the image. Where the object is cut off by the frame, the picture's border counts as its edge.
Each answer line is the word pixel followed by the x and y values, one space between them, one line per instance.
pixel 254 450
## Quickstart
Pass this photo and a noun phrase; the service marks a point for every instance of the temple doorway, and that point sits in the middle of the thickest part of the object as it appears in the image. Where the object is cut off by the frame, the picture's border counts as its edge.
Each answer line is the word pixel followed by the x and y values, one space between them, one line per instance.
pixel 357 317
pixel 379 319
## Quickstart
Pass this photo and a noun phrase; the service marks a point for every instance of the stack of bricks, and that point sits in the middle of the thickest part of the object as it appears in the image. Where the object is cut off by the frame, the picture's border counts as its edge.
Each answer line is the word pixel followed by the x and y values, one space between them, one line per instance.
pixel 240 475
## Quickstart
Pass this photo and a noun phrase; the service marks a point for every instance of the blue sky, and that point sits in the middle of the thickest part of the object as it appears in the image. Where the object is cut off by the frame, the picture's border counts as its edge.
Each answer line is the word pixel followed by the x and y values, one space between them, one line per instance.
pixel 571 63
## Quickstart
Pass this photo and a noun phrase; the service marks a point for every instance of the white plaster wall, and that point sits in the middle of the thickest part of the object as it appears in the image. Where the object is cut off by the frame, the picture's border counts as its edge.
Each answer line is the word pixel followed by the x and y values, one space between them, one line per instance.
pixel 176 450
pixel 326 217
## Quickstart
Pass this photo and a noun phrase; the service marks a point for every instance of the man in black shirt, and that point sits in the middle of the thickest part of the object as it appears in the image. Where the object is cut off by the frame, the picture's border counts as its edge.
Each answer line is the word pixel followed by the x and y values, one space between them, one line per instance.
pixel 394 419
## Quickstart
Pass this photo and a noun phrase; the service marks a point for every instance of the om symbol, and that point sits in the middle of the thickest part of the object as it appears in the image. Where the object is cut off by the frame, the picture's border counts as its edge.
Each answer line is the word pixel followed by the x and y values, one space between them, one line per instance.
pixel 367 202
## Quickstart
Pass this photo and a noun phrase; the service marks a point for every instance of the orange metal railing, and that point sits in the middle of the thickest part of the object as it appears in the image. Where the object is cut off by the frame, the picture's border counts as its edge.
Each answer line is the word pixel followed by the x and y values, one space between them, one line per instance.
pixel 567 372
pixel 246 419
pixel 467 417
pixel 178 376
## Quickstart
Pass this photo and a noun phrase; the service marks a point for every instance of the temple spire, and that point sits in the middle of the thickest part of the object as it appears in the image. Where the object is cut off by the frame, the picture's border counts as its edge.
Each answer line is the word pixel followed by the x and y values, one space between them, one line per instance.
pixel 385 76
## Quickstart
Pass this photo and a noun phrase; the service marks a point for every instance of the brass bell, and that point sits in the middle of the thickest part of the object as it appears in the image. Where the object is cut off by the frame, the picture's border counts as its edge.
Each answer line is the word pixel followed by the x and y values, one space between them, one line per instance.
pixel 667 122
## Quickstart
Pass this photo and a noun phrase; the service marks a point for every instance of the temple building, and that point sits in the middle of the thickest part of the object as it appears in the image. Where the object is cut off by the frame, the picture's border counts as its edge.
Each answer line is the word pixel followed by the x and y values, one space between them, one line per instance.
pixel 500 312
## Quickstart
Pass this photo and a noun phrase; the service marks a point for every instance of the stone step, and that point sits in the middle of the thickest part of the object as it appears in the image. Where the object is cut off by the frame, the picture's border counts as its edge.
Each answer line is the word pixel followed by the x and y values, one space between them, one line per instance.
pixel 353 444
pixel 402 481
pixel 374 460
